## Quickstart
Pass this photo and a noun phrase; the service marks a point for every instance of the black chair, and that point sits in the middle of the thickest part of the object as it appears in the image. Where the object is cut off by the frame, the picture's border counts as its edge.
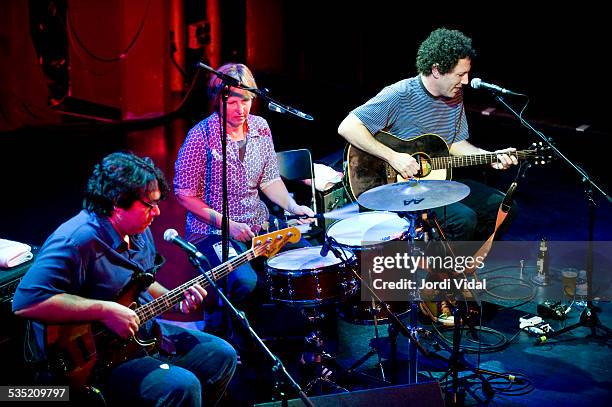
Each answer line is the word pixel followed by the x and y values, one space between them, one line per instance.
pixel 296 166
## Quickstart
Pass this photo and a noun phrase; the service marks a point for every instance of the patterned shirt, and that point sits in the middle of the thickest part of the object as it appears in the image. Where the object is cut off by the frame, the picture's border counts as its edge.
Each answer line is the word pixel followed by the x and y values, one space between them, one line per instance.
pixel 406 109
pixel 199 168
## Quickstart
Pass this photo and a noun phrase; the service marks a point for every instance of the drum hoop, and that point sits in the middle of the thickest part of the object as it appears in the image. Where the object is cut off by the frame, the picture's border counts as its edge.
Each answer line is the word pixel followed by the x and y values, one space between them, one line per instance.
pixel 277 271
pixel 306 303
pixel 366 214
pixel 277 257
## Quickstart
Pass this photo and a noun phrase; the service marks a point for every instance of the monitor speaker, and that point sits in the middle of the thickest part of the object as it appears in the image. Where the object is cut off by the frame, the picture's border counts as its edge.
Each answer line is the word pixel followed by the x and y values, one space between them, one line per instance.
pixel 413 395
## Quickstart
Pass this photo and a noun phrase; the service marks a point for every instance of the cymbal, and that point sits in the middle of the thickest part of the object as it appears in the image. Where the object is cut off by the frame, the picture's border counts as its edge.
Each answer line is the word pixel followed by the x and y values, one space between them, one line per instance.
pixel 413 195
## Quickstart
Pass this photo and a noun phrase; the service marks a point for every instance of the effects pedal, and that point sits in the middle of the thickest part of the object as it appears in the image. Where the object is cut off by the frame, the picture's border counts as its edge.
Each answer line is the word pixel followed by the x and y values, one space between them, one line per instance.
pixel 554 310
pixel 534 325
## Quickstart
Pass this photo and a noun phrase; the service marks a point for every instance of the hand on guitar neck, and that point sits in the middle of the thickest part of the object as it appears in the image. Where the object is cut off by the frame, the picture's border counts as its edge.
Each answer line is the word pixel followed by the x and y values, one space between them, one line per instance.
pixel 505 158
pixel 240 231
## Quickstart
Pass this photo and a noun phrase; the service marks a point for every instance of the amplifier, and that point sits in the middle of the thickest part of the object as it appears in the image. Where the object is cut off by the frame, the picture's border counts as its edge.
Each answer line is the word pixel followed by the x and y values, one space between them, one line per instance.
pixel 331 199
pixel 12 329
pixel 10 278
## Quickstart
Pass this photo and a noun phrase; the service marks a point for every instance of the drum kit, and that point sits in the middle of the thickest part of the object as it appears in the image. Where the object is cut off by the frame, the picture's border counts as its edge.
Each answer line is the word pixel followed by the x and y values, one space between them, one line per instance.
pixel 314 277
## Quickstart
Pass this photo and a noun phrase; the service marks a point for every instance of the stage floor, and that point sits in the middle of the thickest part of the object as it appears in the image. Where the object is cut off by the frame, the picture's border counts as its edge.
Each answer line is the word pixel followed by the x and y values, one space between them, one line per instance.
pixel 574 368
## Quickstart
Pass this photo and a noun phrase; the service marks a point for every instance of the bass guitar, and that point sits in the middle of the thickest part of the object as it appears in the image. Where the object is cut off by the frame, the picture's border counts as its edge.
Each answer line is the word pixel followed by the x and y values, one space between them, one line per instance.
pixel 81 353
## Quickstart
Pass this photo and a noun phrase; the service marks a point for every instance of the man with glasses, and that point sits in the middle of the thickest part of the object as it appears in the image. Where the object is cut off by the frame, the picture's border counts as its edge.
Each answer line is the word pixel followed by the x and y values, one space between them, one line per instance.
pixel 84 266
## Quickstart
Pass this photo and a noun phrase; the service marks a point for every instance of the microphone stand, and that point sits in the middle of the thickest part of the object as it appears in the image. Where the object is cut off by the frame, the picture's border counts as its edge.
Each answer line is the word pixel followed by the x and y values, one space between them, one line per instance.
pixel 274 105
pixel 225 200
pixel 278 367
pixel 589 315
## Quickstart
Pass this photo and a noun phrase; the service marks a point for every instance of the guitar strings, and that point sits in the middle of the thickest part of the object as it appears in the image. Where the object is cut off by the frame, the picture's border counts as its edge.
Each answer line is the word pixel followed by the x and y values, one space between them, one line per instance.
pixel 465 160
pixel 168 300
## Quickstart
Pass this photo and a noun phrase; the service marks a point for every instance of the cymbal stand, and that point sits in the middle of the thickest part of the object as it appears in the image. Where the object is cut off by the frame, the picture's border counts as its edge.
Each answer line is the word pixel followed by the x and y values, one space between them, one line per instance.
pixel 409 332
pixel 457 363
pixel 427 227
pixel 374 349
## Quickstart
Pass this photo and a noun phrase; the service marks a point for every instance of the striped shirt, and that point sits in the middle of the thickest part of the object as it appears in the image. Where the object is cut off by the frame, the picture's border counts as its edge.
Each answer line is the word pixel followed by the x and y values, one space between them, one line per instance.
pixel 406 109
pixel 198 172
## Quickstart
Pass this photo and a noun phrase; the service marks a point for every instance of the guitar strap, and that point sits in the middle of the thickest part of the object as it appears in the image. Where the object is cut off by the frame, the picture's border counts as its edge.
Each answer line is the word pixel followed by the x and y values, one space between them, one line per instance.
pixel 486 247
pixel 502 213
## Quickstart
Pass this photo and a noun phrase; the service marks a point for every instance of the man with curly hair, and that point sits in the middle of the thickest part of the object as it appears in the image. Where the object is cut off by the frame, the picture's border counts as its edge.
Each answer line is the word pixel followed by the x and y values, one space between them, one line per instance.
pixel 83 269
pixel 432 102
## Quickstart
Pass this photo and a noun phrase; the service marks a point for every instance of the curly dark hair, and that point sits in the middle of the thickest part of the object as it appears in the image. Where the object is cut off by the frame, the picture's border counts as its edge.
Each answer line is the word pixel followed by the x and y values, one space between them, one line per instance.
pixel 444 48
pixel 120 179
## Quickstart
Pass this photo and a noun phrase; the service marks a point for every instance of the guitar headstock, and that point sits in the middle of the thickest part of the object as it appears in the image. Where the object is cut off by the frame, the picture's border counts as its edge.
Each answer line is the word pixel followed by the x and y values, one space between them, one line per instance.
pixel 538 154
pixel 270 243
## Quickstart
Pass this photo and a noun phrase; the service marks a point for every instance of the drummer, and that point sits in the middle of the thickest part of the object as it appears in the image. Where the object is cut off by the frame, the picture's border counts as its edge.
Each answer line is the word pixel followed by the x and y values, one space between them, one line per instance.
pixel 432 102
pixel 252 167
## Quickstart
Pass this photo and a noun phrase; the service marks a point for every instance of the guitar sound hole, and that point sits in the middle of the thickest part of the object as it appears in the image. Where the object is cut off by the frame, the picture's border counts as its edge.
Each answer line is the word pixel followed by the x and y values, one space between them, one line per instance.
pixel 424 165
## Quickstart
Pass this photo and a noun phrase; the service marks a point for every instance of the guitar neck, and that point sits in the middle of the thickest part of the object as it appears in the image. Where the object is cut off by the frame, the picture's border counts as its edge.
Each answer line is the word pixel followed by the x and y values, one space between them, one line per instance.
pixel 264 245
pixel 165 302
pixel 454 161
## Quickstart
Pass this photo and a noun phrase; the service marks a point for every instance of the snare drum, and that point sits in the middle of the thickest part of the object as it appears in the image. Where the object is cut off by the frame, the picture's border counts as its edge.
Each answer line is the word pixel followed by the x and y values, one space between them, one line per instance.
pixel 368 229
pixel 302 277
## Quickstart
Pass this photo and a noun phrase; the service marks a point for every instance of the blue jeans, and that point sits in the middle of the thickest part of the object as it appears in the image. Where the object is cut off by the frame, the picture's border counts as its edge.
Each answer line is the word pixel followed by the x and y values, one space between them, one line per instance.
pixel 196 375
pixel 473 218
pixel 241 282
pixel 245 286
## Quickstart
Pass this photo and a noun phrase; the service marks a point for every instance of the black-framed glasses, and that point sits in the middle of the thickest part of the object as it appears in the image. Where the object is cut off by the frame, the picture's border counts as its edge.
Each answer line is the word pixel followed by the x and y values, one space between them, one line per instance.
pixel 149 205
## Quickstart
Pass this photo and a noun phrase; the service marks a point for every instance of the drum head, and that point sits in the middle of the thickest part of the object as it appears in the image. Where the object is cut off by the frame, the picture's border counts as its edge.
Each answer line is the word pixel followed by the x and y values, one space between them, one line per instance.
pixel 305 258
pixel 368 227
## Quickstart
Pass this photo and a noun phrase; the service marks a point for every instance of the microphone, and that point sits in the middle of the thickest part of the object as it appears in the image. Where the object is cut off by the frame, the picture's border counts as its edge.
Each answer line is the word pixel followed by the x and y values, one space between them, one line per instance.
pixel 229 80
pixel 275 107
pixel 172 236
pixel 477 83
pixel 326 246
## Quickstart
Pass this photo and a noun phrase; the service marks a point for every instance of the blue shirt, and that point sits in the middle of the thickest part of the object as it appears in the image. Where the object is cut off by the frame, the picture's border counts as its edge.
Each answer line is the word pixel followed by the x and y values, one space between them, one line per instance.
pixel 407 110
pixel 85 256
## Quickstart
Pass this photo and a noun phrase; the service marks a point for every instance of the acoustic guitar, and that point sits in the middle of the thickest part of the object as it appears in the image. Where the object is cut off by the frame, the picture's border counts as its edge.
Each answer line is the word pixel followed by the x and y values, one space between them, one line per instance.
pixel 364 171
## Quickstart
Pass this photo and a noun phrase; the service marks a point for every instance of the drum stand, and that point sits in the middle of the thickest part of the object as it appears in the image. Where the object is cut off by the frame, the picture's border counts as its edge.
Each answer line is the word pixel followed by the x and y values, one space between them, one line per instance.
pixel 374 348
pixel 314 355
